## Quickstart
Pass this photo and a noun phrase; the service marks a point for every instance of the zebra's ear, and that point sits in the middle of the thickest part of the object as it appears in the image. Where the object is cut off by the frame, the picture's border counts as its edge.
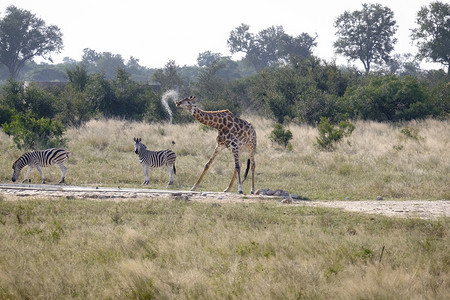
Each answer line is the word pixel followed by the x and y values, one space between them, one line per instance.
pixel 135 140
pixel 139 140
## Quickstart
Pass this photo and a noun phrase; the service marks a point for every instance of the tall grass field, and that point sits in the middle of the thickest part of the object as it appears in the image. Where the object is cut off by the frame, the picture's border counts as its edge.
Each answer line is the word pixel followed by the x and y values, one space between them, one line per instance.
pixel 407 161
pixel 68 248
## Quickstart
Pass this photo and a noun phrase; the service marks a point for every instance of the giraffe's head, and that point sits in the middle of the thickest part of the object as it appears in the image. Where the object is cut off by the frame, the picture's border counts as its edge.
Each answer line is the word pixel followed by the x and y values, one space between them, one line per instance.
pixel 187 103
pixel 138 146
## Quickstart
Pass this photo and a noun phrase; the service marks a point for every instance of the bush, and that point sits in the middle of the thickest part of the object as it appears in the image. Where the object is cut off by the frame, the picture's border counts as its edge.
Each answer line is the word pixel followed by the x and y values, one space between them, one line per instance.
pixel 5 114
pixel 31 133
pixel 280 136
pixel 411 133
pixel 389 98
pixel 329 135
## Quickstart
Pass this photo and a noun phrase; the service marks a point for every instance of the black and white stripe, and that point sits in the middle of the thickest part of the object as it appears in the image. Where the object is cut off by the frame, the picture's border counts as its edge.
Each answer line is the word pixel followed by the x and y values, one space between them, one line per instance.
pixel 38 159
pixel 155 159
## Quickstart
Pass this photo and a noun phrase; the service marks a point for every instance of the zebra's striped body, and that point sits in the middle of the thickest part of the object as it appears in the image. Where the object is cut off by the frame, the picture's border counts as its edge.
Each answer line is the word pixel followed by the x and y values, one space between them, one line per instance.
pixel 155 159
pixel 38 159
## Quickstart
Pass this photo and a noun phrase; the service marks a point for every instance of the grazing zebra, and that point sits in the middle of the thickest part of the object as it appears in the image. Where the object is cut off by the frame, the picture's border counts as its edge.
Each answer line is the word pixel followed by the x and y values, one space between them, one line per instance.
pixel 155 159
pixel 38 159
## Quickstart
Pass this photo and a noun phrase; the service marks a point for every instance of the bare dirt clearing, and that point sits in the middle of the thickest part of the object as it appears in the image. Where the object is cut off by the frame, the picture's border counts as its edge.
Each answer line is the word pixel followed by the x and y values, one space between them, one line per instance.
pixel 405 208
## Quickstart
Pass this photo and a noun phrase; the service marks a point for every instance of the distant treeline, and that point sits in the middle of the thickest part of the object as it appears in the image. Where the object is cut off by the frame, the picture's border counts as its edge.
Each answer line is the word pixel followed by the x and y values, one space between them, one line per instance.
pixel 302 91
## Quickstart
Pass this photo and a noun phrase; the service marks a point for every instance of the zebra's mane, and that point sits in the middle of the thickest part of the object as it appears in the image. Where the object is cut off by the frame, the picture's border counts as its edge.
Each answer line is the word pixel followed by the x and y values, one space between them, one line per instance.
pixel 21 157
pixel 142 148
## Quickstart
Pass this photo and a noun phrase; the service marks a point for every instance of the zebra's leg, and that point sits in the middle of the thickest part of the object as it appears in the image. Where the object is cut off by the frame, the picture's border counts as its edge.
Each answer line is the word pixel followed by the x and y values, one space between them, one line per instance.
pixel 170 167
pixel 42 174
pixel 208 164
pixel 28 173
pixel 63 172
pixel 145 167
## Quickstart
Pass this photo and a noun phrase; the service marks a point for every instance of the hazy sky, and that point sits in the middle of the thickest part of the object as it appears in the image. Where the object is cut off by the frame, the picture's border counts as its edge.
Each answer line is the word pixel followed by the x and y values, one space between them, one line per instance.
pixel 158 31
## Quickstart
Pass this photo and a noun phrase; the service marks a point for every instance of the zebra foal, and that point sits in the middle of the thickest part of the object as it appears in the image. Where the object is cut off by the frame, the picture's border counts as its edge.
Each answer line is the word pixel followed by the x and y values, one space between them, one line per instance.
pixel 155 159
pixel 38 159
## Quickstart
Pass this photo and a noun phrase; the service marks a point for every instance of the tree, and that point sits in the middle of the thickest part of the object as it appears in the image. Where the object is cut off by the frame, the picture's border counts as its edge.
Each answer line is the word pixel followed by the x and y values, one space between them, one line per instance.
pixel 269 46
pixel 433 34
pixel 207 58
pixel 168 77
pixel 366 35
pixel 23 36
pixel 105 62
pixel 78 77
pixel 298 47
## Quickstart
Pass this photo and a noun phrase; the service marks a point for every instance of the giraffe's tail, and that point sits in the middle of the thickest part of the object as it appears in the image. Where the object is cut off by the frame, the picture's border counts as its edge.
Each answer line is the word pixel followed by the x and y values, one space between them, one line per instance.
pixel 246 170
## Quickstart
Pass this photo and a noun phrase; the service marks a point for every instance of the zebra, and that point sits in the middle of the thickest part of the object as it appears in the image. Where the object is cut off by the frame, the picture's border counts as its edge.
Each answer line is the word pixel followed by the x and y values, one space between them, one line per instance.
pixel 155 159
pixel 38 159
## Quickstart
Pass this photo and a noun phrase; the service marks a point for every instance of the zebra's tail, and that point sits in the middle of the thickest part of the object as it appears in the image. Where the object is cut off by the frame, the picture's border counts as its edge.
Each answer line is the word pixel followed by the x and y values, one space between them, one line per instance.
pixel 174 170
pixel 246 170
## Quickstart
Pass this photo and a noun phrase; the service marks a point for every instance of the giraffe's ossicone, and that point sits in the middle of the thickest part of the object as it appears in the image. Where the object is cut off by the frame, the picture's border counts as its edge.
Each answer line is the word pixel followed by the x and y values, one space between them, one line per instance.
pixel 235 134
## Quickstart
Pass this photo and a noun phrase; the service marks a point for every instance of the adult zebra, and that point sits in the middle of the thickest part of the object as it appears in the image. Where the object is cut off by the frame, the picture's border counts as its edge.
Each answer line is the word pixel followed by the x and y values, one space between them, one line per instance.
pixel 38 159
pixel 155 159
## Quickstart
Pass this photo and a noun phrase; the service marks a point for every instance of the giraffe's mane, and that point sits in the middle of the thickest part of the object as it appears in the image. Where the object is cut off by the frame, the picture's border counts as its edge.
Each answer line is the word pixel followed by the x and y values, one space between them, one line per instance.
pixel 217 111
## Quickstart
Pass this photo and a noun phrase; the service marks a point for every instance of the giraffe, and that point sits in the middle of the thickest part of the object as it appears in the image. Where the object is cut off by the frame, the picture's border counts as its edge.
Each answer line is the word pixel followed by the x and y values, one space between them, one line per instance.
pixel 234 134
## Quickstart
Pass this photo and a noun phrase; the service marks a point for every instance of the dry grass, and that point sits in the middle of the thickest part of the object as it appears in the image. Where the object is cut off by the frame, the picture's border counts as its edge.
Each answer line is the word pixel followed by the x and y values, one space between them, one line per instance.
pixel 169 249
pixel 376 160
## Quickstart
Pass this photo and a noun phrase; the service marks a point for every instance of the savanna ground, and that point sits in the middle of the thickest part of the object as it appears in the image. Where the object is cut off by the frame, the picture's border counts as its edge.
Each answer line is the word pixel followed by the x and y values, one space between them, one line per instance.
pixel 167 247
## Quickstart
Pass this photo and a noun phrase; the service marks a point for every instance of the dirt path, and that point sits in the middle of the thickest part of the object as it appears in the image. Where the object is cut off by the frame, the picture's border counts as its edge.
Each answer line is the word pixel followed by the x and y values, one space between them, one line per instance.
pixel 406 209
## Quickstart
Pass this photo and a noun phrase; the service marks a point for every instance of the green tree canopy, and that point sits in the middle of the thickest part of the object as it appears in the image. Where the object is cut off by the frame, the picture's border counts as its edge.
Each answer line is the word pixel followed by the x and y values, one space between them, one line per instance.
pixel 269 46
pixel 207 58
pixel 366 35
pixel 433 34
pixel 169 77
pixel 23 36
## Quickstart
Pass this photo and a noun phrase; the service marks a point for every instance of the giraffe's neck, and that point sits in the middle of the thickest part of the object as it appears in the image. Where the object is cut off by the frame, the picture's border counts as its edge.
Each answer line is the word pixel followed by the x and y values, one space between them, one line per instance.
pixel 211 118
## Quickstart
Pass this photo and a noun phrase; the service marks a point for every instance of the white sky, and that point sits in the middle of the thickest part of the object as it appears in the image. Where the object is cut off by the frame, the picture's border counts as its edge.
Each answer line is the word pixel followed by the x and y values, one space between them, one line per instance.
pixel 158 31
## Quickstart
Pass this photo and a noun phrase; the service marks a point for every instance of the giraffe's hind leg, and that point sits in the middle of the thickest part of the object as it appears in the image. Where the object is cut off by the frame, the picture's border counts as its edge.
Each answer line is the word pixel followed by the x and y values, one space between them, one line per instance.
pixel 237 171
pixel 252 167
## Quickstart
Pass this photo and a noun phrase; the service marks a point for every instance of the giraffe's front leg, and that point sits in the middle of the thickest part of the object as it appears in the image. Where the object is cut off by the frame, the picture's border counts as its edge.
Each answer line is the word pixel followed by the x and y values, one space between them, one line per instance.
pixel 235 173
pixel 231 182
pixel 208 164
